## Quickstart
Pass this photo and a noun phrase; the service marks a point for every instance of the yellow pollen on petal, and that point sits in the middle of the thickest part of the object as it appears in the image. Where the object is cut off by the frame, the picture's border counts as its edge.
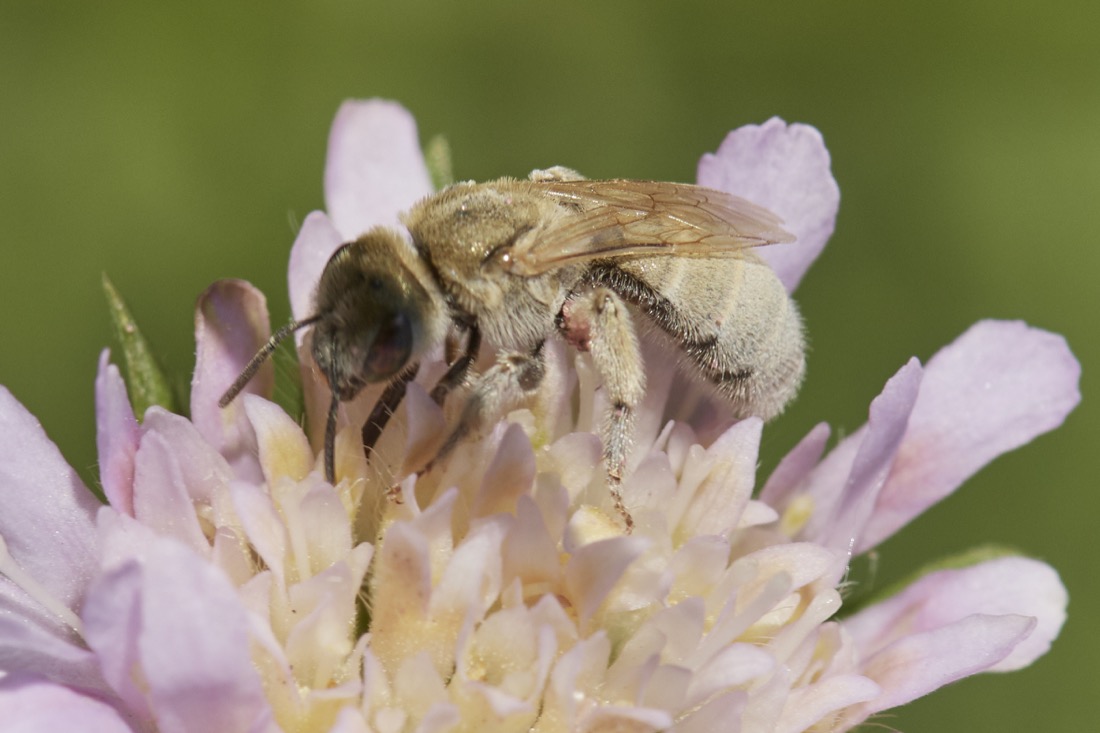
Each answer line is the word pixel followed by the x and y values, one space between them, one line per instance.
pixel 591 524
pixel 286 454
pixel 797 513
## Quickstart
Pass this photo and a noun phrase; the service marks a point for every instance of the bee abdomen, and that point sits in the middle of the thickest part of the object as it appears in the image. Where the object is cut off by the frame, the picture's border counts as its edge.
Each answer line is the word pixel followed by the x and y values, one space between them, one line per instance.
pixel 732 319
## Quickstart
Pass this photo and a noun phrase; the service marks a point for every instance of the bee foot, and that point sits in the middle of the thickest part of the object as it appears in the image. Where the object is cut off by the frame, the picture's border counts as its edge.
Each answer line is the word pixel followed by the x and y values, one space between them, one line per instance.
pixel 613 484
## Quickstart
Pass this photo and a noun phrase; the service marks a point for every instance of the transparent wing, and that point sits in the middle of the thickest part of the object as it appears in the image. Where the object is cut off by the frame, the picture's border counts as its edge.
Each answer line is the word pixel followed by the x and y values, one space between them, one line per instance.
pixel 618 219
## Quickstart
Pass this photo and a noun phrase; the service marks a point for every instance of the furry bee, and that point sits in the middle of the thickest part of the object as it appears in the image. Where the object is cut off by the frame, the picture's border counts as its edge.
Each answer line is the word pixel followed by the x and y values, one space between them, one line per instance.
pixel 517 262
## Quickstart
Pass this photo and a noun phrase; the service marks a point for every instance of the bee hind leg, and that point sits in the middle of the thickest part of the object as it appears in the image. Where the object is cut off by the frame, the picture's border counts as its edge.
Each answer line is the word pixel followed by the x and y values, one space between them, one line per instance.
pixel 554 173
pixel 598 321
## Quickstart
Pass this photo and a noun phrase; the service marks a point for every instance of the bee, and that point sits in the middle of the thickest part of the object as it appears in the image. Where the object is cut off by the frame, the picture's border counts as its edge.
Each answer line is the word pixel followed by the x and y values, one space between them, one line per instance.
pixel 517 262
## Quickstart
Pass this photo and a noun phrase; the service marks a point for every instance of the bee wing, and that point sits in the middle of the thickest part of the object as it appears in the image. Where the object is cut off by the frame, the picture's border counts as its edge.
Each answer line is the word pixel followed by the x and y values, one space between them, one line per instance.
pixel 619 219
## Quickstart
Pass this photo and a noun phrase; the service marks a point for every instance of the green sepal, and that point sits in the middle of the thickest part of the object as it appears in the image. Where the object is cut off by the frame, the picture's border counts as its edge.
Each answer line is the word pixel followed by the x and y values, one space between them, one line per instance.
pixel 863 593
pixel 437 155
pixel 145 380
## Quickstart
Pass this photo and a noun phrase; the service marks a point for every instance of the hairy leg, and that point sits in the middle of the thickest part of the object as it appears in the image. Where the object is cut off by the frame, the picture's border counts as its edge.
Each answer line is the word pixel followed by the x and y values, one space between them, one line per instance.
pixel 598 321
pixel 515 377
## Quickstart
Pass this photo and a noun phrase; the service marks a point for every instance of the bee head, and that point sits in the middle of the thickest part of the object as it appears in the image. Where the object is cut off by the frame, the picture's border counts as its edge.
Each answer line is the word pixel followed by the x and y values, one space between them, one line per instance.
pixel 370 312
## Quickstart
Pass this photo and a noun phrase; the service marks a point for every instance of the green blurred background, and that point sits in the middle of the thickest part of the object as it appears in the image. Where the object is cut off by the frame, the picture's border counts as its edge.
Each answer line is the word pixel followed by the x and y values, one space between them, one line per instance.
pixel 172 144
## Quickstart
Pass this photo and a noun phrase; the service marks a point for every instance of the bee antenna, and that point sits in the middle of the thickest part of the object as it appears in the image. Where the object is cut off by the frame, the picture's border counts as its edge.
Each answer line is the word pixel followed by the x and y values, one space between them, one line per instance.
pixel 330 440
pixel 261 356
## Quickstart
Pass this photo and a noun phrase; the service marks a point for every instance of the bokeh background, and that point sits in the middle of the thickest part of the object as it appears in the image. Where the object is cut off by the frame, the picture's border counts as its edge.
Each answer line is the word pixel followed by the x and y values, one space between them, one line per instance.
pixel 170 144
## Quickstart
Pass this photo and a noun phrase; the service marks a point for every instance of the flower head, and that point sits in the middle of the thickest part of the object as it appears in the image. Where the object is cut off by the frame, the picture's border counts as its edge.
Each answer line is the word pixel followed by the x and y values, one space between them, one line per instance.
pixel 227 586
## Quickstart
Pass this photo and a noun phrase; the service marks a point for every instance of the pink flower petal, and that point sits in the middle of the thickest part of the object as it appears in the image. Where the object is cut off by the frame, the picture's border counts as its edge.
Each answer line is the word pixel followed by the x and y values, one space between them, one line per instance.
pixel 231 324
pixel 350 720
pixel 205 472
pixel 121 538
pixel 795 467
pixel 29 705
pixel 112 618
pixel 723 713
pixel 192 641
pixel 997 387
pixel 283 448
pixel 48 517
pixel 374 169
pixel 917 664
pixel 784 168
pixel 529 552
pixel 1006 585
pixel 812 703
pixel 34 645
pixel 116 434
pixel 889 415
pixel 719 501
pixel 314 245
pixel 595 568
pixel 509 476
pixel 886 425
pixel 733 666
pixel 161 500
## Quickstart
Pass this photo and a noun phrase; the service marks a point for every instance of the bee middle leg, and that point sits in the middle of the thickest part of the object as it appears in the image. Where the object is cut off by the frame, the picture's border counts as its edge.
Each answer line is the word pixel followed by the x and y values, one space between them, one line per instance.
pixel 515 377
pixel 598 321
pixel 460 367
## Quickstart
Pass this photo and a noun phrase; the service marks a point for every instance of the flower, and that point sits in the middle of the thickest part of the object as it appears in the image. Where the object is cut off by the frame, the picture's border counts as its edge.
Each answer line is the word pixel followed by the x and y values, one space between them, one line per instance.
pixel 226 586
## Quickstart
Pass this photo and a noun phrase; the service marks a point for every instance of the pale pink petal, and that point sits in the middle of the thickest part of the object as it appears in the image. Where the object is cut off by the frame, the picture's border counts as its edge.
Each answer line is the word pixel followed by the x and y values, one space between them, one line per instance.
pixel 283 448
pixel 165 478
pixel 325 606
pixel 472 578
pixel 595 568
pixel 314 245
pixel 205 472
pixel 231 324
pixel 615 717
pixel 795 467
pixel 374 169
pixel 161 499
pixel 784 168
pixel 722 713
pixel 997 387
pixel 529 552
pixel 192 641
pixel 916 665
pixel 36 646
pixel 510 475
pixel 350 720
pixel 722 497
pixel 29 705
pixel 121 538
pixel 112 628
pixel 48 516
pixel 116 435
pixel 733 666
pixel 264 527
pixel 809 704
pixel 886 425
pixel 826 482
pixel 1006 585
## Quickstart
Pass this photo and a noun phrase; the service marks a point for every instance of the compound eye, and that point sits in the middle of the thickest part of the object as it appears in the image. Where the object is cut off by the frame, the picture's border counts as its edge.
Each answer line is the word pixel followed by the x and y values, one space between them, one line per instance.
pixel 391 348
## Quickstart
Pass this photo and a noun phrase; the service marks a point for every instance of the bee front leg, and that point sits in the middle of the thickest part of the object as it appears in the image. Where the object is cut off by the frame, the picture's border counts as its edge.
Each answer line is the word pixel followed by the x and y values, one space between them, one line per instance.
pixel 383 409
pixel 460 367
pixel 599 322
pixel 514 378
